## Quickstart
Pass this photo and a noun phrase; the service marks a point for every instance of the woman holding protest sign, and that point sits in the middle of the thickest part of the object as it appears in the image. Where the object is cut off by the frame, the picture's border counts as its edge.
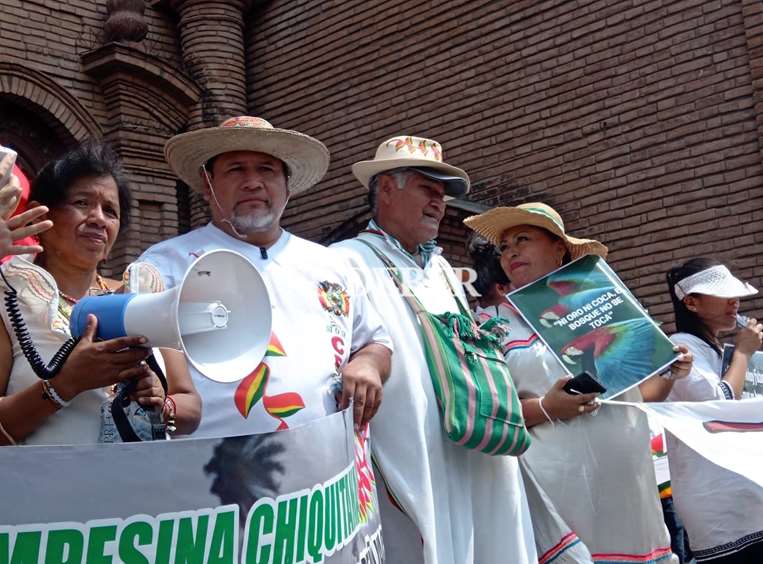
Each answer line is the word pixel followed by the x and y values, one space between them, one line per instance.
pixel 86 201
pixel 589 472
pixel 722 511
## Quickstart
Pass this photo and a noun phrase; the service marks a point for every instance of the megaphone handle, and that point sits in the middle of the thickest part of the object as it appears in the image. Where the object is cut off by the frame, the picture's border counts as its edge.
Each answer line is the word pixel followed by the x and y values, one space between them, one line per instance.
pixel 126 432
pixel 122 423
pixel 154 365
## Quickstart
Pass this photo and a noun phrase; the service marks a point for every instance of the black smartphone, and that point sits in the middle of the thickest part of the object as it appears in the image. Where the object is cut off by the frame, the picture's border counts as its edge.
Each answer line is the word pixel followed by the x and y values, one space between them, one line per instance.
pixel 584 383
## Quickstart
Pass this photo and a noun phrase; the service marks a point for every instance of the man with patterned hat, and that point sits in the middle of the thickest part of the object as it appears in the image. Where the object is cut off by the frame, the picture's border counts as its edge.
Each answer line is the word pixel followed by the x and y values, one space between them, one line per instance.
pixel 325 334
pixel 451 505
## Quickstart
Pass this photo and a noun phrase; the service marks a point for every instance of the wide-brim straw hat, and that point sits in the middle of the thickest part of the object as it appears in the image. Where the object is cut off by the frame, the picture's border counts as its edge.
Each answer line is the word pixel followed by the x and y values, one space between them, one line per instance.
pixel 306 158
pixel 424 155
pixel 492 224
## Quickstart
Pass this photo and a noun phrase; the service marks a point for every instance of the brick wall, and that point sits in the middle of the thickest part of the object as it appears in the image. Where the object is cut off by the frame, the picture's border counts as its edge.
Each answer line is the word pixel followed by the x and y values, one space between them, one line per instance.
pixel 51 36
pixel 638 121
pixel 42 71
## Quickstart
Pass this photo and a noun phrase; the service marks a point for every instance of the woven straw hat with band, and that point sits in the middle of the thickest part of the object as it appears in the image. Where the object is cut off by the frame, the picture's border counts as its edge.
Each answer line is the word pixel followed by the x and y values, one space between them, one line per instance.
pixel 306 159
pixel 423 155
pixel 493 223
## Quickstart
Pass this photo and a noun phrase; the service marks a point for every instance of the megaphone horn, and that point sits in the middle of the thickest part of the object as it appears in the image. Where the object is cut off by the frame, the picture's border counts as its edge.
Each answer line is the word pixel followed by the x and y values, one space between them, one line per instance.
pixel 219 316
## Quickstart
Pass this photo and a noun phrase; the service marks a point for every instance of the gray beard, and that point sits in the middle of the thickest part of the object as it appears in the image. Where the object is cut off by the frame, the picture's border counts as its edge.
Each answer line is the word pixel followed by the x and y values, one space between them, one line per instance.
pixel 252 223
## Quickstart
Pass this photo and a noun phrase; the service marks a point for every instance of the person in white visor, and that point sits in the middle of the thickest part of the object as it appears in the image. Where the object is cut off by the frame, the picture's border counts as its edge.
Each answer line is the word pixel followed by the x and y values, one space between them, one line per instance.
pixel 721 510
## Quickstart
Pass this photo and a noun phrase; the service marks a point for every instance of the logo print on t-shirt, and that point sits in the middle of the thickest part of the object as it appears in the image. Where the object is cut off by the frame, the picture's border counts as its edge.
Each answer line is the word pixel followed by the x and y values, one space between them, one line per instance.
pixel 337 343
pixel 333 298
pixel 253 388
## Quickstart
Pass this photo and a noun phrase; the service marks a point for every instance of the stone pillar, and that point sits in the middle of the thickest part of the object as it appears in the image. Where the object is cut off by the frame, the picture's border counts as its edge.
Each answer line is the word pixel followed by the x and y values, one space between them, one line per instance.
pixel 213 47
pixel 147 101
pixel 212 41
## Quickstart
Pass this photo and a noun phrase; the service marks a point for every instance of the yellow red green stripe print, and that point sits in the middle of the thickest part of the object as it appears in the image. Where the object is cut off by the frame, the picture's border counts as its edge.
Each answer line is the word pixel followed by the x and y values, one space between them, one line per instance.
pixel 283 405
pixel 251 389
pixel 275 348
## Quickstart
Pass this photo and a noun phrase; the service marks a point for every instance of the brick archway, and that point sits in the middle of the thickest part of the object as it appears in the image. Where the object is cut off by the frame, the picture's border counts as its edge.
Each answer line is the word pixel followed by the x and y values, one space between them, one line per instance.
pixel 24 130
pixel 54 104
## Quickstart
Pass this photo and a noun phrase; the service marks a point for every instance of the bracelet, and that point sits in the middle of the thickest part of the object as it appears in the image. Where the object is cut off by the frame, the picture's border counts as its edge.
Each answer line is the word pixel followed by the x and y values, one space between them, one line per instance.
pixel 7 435
pixel 668 375
pixel 168 411
pixel 728 393
pixel 4 432
pixel 50 393
pixel 540 404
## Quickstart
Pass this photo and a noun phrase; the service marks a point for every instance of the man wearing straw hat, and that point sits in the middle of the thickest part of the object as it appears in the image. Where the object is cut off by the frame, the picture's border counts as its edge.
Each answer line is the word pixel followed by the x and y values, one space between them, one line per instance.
pixel 325 332
pixel 452 505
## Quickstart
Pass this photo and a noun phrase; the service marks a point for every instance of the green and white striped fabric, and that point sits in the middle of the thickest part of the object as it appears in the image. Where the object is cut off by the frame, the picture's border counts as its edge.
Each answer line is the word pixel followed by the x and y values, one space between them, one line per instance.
pixel 479 406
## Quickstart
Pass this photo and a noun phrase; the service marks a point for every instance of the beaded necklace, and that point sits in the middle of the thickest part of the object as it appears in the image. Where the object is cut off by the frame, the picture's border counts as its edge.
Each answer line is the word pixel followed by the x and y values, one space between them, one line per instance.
pixel 67 302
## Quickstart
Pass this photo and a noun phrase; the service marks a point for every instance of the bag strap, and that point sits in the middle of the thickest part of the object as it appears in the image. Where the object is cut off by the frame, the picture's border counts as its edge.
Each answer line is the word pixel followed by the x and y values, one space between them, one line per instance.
pixel 464 310
pixel 122 399
pixel 122 423
pixel 405 291
pixel 394 273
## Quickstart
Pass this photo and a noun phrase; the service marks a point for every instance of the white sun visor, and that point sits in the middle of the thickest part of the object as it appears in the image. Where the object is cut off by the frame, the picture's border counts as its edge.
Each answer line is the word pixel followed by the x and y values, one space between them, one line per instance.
pixel 714 281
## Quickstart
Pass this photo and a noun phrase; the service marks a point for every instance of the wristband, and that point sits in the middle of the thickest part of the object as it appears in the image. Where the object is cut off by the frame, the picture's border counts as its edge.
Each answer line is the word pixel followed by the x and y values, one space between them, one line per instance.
pixel 728 393
pixel 668 375
pixel 5 433
pixel 168 411
pixel 50 393
pixel 545 413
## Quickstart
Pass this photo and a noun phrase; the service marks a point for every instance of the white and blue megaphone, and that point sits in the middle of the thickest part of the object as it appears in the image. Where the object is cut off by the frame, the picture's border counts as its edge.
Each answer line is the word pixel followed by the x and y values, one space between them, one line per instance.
pixel 219 316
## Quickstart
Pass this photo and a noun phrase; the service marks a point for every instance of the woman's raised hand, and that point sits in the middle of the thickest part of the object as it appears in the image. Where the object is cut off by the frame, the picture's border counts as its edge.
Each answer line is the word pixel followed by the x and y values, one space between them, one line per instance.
pixel 10 188
pixel 750 337
pixel 97 364
pixel 16 227
pixel 561 405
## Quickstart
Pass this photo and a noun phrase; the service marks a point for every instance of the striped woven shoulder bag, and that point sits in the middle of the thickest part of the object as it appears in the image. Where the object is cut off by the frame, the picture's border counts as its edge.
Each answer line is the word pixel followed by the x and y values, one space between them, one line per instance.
pixel 479 406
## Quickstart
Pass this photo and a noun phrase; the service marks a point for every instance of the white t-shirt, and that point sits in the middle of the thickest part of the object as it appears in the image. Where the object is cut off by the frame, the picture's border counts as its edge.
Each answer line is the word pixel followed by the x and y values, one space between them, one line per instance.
pixel 703 382
pixel 298 379
pixel 722 511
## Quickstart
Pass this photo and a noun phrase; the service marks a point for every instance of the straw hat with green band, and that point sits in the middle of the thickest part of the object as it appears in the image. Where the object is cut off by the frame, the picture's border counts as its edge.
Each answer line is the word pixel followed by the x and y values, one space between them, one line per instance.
pixel 492 224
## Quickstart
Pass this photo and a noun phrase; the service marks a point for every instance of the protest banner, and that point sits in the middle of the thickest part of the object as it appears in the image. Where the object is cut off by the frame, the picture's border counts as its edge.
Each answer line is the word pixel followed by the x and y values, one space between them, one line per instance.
pixel 302 495
pixel 659 448
pixel 727 433
pixel 591 322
